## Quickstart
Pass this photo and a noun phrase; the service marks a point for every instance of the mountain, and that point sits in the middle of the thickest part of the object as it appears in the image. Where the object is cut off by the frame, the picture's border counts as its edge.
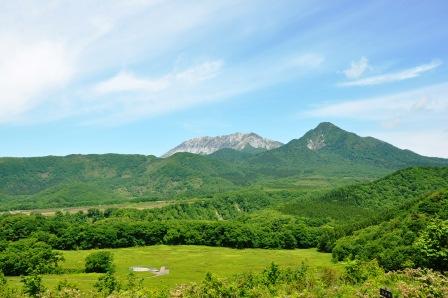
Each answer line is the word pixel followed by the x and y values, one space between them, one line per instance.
pixel 330 150
pixel 250 142
pixel 326 151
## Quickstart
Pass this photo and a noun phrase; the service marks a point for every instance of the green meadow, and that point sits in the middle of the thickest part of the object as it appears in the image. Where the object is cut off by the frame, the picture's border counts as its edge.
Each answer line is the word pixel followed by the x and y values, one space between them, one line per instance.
pixel 186 264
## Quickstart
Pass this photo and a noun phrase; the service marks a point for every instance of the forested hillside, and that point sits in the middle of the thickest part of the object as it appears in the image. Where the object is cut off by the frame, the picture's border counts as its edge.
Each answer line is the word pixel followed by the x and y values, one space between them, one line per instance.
pixel 417 237
pixel 375 198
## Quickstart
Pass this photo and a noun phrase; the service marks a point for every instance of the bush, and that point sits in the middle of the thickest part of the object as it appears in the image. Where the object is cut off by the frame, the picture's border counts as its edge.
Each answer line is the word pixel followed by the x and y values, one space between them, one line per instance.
pixel 28 255
pixel 99 262
pixel 32 285
pixel 358 271
pixel 107 284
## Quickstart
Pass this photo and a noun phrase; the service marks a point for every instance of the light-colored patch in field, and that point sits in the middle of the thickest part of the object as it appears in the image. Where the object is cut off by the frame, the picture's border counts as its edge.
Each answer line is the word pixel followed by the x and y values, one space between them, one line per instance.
pixel 186 263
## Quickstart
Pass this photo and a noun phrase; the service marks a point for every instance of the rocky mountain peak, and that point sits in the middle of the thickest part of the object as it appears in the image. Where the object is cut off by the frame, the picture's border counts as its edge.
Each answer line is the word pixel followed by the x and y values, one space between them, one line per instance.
pixel 237 141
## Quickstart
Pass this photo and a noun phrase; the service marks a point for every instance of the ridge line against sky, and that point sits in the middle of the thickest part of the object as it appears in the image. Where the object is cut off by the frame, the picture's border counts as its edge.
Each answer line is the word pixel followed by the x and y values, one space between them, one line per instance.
pixel 142 76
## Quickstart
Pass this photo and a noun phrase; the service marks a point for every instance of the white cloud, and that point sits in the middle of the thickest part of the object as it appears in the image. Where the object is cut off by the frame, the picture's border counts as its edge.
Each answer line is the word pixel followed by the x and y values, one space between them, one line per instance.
pixel 28 70
pixel 128 82
pixel 357 68
pixel 394 77
pixel 432 99
pixel 125 81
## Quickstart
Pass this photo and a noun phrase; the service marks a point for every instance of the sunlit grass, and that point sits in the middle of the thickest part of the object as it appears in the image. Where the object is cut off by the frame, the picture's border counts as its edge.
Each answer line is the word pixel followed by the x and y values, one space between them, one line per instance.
pixel 186 263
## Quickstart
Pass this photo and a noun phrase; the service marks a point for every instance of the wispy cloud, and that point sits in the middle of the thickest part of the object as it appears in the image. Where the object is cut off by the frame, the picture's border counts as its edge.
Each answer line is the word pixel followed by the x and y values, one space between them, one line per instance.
pixel 63 67
pixel 432 99
pixel 391 77
pixel 125 81
pixel 357 68
pixel 126 96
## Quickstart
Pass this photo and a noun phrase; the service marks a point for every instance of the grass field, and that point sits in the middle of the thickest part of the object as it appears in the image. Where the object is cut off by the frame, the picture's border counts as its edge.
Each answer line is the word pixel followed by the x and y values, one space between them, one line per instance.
pixel 186 263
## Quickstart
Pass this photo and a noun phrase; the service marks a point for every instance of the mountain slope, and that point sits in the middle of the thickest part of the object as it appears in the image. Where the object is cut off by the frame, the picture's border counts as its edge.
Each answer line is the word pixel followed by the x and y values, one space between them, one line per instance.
pixel 355 202
pixel 415 237
pixel 237 141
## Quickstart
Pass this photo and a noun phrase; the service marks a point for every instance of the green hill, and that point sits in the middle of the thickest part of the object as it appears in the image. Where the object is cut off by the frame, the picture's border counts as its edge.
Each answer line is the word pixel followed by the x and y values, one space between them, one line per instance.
pixel 356 202
pixel 416 237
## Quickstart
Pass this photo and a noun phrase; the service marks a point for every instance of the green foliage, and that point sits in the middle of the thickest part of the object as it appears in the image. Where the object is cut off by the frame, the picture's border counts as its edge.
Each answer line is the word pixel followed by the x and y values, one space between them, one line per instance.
pixel 432 245
pixel 28 256
pixel 107 284
pixel 2 279
pixel 416 237
pixel 32 285
pixel 100 262
pixel 358 272
pixel 374 199
pixel 359 280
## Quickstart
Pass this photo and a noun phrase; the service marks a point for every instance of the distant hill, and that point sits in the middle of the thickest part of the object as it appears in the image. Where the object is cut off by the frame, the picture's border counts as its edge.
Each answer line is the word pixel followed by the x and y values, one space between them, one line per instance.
pixel 237 141
pixel 326 151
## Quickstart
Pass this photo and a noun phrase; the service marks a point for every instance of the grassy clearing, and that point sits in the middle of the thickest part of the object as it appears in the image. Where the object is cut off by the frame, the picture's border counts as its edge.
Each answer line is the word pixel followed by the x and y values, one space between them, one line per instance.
pixel 186 263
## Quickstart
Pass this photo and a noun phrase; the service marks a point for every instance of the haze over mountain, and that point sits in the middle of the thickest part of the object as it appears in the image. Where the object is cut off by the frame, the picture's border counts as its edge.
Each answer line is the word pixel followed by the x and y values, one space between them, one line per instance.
pixel 237 141
pixel 325 151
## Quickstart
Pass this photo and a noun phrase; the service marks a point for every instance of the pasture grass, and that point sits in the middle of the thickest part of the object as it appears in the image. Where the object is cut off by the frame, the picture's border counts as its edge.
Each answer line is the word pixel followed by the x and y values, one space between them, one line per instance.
pixel 186 264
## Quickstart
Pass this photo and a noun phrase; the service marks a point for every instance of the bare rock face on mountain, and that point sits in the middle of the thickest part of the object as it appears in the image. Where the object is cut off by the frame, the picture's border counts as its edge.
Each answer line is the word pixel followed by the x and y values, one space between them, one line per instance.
pixel 316 143
pixel 237 141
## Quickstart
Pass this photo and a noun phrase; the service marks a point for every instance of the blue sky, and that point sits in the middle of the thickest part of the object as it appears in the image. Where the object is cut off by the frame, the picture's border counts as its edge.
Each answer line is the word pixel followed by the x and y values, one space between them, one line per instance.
pixel 142 76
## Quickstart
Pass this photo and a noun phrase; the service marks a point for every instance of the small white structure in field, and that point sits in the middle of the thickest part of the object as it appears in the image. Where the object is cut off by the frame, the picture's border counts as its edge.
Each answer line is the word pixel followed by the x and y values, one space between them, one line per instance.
pixel 162 271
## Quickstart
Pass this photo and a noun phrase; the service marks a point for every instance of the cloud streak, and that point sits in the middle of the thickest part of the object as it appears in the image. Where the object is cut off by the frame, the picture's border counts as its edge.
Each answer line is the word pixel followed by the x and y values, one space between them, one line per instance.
pixel 429 100
pixel 388 77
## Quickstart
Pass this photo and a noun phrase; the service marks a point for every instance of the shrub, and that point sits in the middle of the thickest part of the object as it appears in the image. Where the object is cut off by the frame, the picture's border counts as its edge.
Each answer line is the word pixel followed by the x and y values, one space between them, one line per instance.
pixel 107 284
pixel 28 255
pixel 358 271
pixel 99 262
pixel 32 285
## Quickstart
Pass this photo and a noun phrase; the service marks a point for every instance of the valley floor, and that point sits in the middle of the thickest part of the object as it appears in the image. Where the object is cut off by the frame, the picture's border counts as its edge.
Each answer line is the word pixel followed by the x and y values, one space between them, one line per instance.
pixel 186 264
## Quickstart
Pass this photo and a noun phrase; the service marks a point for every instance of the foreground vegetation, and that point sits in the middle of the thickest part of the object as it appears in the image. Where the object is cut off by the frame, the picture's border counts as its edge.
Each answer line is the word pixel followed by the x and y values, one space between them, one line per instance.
pixel 357 279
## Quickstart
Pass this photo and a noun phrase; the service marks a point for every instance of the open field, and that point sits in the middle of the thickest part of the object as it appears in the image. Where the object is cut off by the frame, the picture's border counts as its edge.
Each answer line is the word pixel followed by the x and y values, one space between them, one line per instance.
pixel 186 263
